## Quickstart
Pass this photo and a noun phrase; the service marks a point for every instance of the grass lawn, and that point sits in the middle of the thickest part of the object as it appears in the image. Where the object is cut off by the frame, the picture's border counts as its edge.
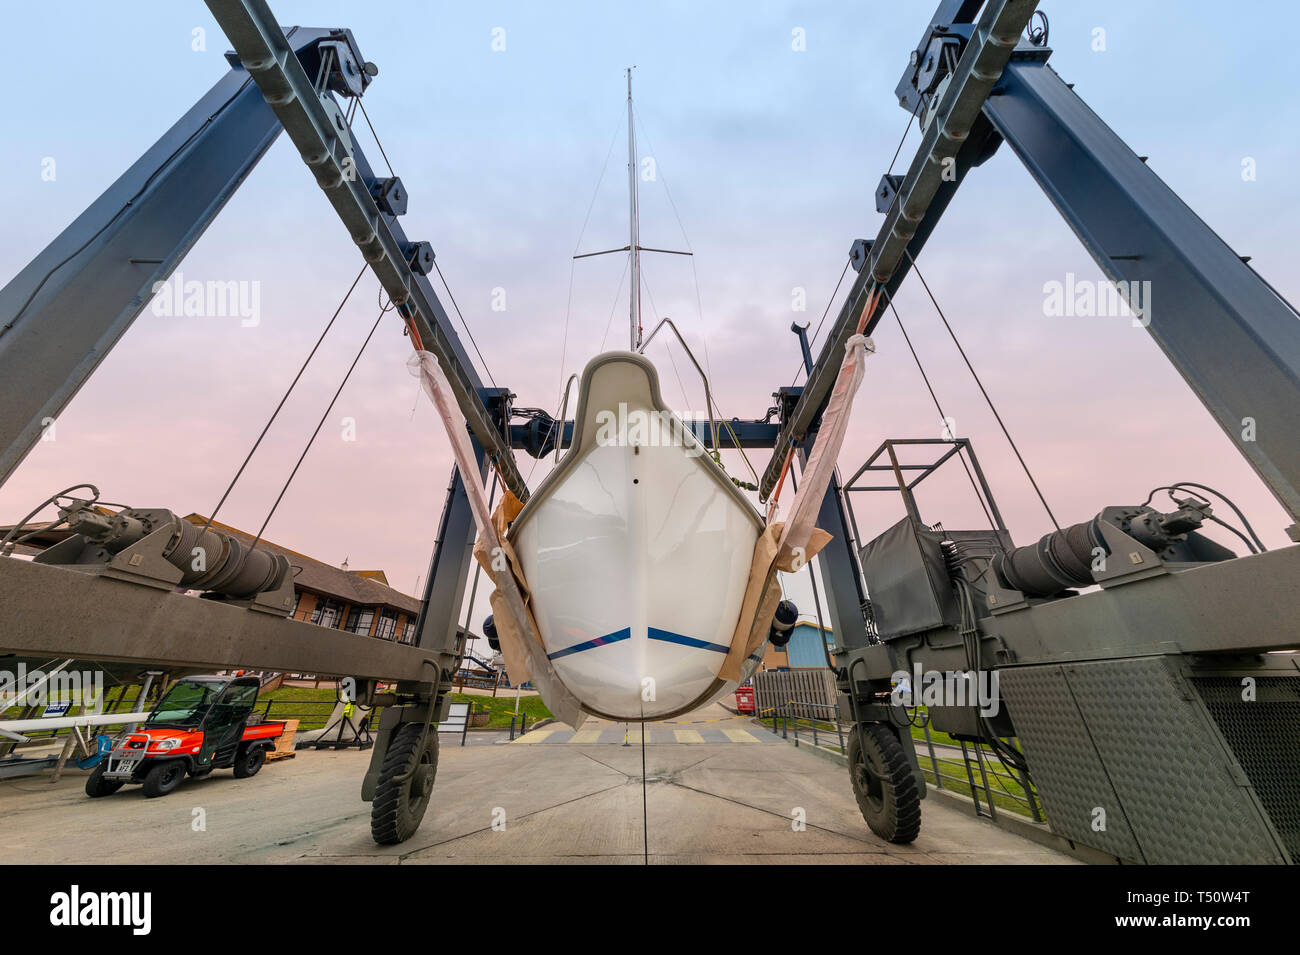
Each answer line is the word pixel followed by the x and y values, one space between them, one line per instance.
pixel 312 706
pixel 1004 790
pixel 501 708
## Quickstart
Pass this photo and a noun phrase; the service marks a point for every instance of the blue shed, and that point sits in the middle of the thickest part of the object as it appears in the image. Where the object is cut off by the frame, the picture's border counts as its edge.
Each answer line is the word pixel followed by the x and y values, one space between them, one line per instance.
pixel 805 646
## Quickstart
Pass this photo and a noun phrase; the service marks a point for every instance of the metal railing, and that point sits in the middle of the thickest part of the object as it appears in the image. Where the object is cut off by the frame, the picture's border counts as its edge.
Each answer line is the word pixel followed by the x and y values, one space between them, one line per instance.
pixel 793 712
pixel 792 717
pixel 983 758
pixel 523 725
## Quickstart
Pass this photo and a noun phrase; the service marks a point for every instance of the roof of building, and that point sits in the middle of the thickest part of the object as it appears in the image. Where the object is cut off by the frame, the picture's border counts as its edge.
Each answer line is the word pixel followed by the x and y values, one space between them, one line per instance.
pixel 363 587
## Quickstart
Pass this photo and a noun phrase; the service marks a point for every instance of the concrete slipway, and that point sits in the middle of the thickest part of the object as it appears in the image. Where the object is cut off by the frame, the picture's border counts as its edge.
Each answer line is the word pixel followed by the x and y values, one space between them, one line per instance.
pixel 566 800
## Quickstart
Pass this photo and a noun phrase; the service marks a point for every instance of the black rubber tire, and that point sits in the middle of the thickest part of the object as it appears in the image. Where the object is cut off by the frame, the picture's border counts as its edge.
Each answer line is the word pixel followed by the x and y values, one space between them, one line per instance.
pixel 97 785
pixel 164 777
pixel 892 810
pixel 397 810
pixel 249 762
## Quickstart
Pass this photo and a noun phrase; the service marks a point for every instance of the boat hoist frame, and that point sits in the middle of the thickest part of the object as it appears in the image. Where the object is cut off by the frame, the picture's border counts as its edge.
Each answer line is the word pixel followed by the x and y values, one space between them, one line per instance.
pixel 972 78
pixel 1128 698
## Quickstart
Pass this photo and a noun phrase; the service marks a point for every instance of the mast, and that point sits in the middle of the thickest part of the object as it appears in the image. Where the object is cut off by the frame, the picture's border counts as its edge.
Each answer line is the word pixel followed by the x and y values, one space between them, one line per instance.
pixel 634 241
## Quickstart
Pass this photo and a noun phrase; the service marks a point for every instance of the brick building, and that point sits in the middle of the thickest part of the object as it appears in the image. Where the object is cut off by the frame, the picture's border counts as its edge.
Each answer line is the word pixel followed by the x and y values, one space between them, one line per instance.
pixel 358 601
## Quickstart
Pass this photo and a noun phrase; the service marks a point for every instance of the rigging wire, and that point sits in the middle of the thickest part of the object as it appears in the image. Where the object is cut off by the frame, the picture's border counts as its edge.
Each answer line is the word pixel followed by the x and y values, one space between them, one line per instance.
pixel 320 424
pixel 618 293
pixel 375 134
pixel 464 324
pixel 573 261
pixel 829 302
pixel 906 129
pixel 983 391
pixel 708 397
pixel 686 401
pixel 695 275
pixel 270 421
pixel 939 407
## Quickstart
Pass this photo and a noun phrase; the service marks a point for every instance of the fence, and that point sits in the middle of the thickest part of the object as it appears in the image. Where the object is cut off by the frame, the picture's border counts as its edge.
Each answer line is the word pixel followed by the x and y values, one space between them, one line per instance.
pixel 807 693
pixel 984 775
pixel 1020 796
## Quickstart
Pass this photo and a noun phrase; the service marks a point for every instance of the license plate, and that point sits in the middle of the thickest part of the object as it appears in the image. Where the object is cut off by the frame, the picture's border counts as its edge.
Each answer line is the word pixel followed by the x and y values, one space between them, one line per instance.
pixel 123 765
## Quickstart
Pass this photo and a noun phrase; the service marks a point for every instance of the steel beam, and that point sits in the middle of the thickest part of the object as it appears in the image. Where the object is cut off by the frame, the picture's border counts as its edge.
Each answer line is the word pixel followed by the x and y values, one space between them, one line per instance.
pixel 950 145
pixel 60 316
pixel 54 611
pixel 444 591
pixel 1246 605
pixel 838 566
pixel 1228 332
pixel 344 176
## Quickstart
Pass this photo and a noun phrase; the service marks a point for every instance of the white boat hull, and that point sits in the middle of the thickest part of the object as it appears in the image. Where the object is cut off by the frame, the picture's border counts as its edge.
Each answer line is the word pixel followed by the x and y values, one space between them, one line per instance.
pixel 637 551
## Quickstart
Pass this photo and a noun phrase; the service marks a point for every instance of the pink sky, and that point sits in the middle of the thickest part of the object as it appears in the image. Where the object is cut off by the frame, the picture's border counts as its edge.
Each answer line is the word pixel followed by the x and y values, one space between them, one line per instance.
pixel 1099 413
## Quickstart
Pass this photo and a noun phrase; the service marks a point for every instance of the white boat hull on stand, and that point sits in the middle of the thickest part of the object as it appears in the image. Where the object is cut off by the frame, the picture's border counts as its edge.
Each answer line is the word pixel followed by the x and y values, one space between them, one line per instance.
pixel 636 550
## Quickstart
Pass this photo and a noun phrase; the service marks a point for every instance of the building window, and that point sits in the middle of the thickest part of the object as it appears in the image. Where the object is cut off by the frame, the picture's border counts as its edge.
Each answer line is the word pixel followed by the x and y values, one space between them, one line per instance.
pixel 300 612
pixel 360 619
pixel 408 632
pixel 327 613
pixel 387 624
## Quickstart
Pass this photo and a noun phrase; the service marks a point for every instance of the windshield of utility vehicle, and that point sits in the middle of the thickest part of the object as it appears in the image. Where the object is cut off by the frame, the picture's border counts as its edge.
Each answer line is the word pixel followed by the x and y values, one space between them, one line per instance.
pixel 185 704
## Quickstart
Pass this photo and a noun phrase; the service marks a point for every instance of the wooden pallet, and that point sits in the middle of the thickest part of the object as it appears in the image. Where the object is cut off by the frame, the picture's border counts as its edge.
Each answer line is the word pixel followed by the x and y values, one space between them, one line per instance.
pixel 284 745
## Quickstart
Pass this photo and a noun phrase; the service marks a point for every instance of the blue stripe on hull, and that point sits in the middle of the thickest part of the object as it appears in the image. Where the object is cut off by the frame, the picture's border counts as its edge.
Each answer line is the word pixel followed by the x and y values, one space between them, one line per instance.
pixel 667 636
pixel 615 637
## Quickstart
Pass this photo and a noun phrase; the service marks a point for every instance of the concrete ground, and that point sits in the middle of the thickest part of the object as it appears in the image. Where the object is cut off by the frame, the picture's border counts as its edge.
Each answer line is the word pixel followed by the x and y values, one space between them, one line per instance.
pixel 575 802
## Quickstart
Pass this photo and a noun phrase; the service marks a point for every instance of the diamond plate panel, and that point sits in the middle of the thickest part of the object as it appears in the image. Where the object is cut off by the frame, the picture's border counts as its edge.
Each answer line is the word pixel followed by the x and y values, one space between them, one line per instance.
pixel 1168 765
pixel 1063 763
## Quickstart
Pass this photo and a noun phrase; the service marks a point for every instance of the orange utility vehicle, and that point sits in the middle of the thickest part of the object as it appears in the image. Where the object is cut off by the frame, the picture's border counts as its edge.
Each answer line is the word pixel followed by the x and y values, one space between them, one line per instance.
pixel 202 723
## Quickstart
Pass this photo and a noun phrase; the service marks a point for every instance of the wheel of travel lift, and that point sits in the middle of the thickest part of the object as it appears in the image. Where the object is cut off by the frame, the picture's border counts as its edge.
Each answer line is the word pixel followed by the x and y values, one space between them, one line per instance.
pixel 249 761
pixel 164 778
pixel 405 784
pixel 889 801
pixel 97 785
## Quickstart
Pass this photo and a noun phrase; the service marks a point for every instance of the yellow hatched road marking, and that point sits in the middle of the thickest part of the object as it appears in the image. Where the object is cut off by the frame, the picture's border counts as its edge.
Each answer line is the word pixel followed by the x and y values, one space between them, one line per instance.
pixel 688 736
pixel 740 736
pixel 536 736
pixel 585 736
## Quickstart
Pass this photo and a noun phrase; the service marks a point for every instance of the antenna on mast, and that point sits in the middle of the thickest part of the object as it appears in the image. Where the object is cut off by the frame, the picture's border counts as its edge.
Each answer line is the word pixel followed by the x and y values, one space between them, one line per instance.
pixel 634 247
pixel 634 238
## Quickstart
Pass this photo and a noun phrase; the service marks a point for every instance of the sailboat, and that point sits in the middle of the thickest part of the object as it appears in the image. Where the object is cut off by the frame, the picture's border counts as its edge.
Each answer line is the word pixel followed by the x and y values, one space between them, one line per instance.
pixel 637 583
pixel 637 547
